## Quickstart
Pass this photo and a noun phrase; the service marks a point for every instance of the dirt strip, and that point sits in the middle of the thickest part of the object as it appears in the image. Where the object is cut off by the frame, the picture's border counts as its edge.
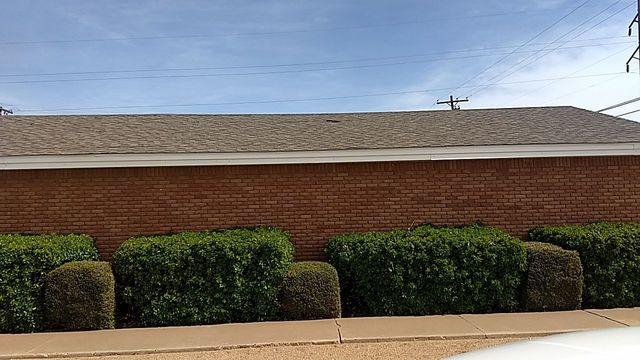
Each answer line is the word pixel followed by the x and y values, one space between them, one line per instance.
pixel 433 349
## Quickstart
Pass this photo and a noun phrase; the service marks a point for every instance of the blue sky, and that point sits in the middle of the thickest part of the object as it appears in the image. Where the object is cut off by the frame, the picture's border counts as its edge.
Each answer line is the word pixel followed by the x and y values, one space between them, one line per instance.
pixel 356 48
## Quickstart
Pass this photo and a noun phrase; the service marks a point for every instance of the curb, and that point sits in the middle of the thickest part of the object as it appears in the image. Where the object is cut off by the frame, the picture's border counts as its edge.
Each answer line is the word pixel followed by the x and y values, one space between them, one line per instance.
pixel 161 351
pixel 276 344
pixel 313 332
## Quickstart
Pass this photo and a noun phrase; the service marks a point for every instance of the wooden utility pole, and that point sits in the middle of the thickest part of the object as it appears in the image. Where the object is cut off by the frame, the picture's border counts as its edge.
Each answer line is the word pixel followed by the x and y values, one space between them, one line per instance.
pixel 454 103
pixel 636 52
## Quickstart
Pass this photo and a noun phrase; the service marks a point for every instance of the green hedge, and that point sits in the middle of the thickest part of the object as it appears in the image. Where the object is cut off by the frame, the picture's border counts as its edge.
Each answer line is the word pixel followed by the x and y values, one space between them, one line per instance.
pixel 202 278
pixel 428 270
pixel 610 255
pixel 310 291
pixel 24 262
pixel 80 295
pixel 553 280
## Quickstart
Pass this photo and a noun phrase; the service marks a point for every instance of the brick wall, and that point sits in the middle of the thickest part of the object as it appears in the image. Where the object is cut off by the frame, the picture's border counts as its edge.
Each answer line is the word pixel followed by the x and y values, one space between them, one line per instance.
pixel 313 202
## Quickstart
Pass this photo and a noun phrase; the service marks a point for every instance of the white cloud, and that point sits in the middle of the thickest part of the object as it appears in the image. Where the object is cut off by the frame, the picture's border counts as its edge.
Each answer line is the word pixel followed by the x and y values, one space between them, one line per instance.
pixel 586 92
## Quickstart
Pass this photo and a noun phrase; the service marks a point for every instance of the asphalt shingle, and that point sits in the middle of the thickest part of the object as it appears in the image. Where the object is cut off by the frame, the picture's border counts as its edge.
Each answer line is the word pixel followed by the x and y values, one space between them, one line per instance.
pixel 172 133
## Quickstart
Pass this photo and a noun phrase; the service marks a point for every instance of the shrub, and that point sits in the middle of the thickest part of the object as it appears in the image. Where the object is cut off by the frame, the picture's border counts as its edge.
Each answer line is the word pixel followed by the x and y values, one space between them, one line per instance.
pixel 202 278
pixel 553 280
pixel 610 255
pixel 80 296
pixel 24 262
pixel 310 290
pixel 428 270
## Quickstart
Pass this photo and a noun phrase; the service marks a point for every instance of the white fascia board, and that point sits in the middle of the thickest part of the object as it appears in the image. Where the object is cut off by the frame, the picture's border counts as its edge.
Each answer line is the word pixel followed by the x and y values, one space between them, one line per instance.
pixel 315 157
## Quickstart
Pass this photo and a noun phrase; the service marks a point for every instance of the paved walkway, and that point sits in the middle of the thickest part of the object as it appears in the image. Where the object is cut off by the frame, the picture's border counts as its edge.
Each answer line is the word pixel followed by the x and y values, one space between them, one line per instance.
pixel 347 330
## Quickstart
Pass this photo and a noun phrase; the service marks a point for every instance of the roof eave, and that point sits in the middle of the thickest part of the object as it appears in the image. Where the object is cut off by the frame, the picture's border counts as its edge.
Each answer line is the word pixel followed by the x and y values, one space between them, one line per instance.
pixel 315 157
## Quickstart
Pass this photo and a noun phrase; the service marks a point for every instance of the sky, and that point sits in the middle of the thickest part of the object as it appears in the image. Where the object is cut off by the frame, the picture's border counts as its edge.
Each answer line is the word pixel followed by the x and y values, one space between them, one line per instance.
pixel 269 56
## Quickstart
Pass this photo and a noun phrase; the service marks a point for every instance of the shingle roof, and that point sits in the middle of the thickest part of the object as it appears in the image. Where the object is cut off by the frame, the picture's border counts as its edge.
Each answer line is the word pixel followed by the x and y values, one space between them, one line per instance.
pixel 169 133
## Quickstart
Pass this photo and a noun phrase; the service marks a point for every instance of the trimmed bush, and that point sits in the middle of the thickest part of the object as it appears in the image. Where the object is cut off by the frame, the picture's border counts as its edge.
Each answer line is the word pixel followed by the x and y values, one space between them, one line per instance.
pixel 80 295
pixel 610 255
pixel 310 291
pixel 428 270
pixel 25 261
pixel 553 280
pixel 202 277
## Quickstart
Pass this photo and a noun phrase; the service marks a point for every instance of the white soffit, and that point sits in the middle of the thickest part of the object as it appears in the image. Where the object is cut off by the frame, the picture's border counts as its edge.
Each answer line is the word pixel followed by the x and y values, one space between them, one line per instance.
pixel 315 157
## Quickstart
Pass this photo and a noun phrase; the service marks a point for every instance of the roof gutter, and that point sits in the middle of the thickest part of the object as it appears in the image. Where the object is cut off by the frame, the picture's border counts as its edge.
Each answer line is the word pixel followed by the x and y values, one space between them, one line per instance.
pixel 315 157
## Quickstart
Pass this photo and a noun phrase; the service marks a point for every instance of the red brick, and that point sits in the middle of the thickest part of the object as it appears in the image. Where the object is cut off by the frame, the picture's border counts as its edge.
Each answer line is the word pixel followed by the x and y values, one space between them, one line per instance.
pixel 316 201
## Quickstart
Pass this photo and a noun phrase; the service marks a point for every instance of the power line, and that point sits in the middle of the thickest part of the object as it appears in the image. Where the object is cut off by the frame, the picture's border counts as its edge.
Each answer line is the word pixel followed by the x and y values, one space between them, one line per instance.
pixel 556 48
pixel 628 113
pixel 560 46
pixel 291 71
pixel 572 73
pixel 93 72
pixel 298 100
pixel 597 83
pixel 627 102
pixel 525 43
pixel 295 31
pixel 551 50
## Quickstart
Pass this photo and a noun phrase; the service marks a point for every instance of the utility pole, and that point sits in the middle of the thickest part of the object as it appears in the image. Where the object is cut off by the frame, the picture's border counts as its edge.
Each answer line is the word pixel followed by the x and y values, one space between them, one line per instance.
pixel 454 103
pixel 4 111
pixel 636 20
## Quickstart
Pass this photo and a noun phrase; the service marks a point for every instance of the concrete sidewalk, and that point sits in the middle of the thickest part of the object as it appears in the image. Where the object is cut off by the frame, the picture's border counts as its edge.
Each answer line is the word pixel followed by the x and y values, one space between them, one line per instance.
pixel 225 336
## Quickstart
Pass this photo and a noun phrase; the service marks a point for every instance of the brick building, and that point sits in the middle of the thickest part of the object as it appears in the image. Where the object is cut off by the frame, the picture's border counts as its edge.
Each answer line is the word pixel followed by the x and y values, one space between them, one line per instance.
pixel 114 176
